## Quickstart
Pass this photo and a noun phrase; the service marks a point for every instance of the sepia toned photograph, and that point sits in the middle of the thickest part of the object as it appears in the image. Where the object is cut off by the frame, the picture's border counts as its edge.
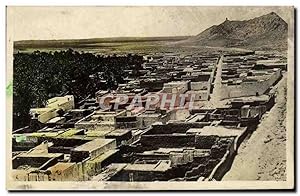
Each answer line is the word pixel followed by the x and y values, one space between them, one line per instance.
pixel 150 98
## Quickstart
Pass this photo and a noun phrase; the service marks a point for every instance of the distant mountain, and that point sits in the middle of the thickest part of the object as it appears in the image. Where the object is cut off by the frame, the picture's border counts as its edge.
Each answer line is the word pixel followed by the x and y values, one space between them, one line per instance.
pixel 266 31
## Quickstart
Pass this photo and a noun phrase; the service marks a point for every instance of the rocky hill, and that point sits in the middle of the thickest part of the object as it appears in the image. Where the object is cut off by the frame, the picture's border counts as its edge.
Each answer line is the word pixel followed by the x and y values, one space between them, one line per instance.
pixel 266 31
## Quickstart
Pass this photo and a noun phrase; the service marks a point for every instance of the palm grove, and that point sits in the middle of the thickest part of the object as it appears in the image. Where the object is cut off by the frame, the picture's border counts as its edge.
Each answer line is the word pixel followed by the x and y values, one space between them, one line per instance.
pixel 39 76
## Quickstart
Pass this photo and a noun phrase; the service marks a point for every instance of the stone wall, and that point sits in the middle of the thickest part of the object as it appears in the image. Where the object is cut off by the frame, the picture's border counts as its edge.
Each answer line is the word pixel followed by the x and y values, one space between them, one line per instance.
pixel 196 86
pixel 167 141
pixel 249 88
pixel 125 175
pixel 180 127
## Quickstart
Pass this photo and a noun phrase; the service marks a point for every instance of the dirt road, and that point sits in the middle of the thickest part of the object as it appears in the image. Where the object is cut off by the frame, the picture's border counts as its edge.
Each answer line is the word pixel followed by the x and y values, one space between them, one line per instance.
pixel 215 100
pixel 263 155
pixel 215 97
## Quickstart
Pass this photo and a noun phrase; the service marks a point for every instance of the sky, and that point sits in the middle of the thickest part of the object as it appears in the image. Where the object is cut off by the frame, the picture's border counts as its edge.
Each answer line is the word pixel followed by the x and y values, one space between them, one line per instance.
pixel 36 23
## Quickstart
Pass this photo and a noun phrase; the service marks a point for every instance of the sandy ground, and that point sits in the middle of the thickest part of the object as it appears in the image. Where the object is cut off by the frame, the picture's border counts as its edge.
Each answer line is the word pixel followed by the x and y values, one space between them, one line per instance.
pixel 214 97
pixel 263 155
pixel 215 101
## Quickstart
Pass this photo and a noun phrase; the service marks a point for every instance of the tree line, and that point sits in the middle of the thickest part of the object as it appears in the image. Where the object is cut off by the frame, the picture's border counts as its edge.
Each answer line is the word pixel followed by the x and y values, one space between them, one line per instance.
pixel 39 76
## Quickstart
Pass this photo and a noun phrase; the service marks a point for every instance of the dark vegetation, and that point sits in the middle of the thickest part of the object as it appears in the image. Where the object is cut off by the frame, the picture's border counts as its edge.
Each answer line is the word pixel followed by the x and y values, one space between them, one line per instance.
pixel 86 43
pixel 39 76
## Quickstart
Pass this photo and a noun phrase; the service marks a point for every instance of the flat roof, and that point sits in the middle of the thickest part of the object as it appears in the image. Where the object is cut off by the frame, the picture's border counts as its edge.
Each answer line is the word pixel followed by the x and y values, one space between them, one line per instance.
pixel 196 117
pixel 118 132
pixel 44 134
pixel 41 109
pixel 104 156
pixel 251 98
pixel 61 166
pixel 103 113
pixel 274 60
pixel 150 114
pixel 45 155
pixel 111 170
pixel 94 144
pixel 217 131
pixel 55 119
pixel 78 110
pixel 70 132
pixel 177 82
pixel 96 133
pixel 167 150
pixel 161 166
pixel 197 91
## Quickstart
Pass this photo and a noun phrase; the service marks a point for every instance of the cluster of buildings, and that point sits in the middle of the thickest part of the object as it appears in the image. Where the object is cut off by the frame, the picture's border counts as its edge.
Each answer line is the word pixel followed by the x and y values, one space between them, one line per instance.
pixel 250 73
pixel 105 138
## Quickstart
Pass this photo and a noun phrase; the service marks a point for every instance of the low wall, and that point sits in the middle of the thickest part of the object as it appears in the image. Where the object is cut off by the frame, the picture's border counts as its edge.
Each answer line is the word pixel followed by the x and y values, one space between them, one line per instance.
pixel 249 88
pixel 167 141
pixel 175 127
pixel 226 162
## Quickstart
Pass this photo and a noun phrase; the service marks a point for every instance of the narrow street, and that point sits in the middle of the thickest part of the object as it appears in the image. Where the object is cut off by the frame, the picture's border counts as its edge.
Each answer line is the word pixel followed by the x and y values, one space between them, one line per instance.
pixel 215 96
pixel 217 83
